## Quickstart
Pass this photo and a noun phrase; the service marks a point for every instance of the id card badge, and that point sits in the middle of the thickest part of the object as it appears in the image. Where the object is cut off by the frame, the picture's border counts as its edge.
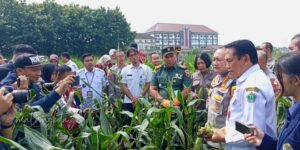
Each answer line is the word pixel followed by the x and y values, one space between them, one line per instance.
pixel 89 94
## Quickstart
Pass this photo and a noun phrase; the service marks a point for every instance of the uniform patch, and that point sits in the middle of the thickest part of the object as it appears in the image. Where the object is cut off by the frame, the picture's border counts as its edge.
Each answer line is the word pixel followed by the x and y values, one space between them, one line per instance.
pixel 217 106
pixel 287 146
pixel 255 89
pixel 251 97
pixel 218 98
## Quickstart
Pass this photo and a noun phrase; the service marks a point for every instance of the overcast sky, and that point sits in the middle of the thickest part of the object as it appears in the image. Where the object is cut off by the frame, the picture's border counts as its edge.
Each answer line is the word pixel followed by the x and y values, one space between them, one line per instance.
pixel 275 21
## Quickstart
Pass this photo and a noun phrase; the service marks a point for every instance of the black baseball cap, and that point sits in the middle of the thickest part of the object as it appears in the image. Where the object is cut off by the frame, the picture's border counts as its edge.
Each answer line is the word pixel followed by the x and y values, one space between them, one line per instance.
pixel 27 60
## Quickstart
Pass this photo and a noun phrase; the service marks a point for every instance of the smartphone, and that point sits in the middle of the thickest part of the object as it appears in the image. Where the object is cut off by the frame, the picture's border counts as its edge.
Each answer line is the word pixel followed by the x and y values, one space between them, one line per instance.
pixel 76 81
pixel 242 128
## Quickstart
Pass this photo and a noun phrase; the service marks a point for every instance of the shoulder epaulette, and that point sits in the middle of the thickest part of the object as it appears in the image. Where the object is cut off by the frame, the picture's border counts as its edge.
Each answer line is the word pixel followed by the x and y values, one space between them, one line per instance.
pixel 182 66
pixel 157 67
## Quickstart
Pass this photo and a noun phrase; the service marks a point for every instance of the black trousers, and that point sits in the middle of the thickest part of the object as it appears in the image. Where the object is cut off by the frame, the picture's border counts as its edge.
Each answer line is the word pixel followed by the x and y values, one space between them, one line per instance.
pixel 128 107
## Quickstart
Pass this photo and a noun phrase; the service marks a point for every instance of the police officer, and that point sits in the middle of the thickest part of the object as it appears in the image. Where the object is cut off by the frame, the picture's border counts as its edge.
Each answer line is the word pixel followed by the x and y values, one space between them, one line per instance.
pixel 96 80
pixel 253 101
pixel 219 96
pixel 170 74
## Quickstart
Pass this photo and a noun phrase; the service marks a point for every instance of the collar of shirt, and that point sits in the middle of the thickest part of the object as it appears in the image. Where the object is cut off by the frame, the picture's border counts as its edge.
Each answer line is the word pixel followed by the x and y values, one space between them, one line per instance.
pixel 294 110
pixel 247 73
pixel 68 62
pixel 131 66
pixel 86 71
pixel 170 68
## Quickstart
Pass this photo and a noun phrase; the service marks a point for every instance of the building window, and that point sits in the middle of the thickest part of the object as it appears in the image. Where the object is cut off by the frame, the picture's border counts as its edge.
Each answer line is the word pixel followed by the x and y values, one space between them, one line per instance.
pixel 165 42
pixel 158 41
pixel 171 36
pixel 209 42
pixel 215 42
pixel 165 36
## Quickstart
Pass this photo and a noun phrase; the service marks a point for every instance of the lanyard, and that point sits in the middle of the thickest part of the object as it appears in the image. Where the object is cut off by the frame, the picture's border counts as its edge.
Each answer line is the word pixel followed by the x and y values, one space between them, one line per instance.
pixel 87 79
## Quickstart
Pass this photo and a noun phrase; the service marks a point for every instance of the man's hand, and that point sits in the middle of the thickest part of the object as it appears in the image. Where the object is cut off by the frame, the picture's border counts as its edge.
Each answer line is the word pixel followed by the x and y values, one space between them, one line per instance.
pixel 8 118
pixel 5 101
pixel 23 83
pixel 256 138
pixel 218 136
pixel 64 85
pixel 134 100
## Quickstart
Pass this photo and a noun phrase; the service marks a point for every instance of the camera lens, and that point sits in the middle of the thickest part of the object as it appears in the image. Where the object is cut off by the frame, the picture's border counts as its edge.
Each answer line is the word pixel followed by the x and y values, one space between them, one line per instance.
pixel 20 96
pixel 49 86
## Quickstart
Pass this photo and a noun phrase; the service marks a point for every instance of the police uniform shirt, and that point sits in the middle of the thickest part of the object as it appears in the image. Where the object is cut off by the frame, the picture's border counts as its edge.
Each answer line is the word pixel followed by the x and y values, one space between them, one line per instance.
pixel 218 100
pixel 176 76
pixel 253 102
pixel 135 78
pixel 97 80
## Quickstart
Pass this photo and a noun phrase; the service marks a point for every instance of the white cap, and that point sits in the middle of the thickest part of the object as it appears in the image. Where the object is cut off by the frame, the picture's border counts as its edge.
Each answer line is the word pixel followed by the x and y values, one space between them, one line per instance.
pixel 112 51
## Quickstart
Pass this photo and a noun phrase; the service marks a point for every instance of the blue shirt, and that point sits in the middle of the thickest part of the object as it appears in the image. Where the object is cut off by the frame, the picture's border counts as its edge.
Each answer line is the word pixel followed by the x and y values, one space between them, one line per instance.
pixel 290 133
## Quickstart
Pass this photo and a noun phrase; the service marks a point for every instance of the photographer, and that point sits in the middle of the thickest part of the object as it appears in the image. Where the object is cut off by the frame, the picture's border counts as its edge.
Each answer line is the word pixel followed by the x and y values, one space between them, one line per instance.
pixel 7 116
pixel 28 69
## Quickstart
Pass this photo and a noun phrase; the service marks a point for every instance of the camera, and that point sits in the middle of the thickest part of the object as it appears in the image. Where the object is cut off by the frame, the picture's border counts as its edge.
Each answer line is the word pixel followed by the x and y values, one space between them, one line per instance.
pixel 49 86
pixel 20 96
pixel 76 81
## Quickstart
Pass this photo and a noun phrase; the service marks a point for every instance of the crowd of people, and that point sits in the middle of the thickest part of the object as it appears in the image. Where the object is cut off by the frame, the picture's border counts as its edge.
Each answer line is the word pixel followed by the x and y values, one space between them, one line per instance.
pixel 240 86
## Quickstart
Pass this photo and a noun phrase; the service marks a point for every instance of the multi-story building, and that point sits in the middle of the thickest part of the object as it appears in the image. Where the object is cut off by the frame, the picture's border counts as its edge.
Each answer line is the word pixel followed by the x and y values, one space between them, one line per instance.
pixel 184 35
pixel 145 42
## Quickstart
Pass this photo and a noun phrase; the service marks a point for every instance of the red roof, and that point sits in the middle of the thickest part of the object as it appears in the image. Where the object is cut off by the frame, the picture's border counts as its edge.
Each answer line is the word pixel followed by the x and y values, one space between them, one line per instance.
pixel 171 27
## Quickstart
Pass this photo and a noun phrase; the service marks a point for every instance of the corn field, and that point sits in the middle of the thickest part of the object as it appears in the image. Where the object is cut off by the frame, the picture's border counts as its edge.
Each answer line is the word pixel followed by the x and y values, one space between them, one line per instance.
pixel 150 126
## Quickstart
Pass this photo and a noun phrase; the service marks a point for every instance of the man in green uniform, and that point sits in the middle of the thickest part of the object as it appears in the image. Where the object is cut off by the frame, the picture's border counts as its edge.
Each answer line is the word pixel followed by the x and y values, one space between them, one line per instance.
pixel 170 74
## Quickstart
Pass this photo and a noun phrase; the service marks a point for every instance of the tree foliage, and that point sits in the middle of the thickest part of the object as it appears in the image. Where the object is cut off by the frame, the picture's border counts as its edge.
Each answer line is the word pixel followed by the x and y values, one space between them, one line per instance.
pixel 53 28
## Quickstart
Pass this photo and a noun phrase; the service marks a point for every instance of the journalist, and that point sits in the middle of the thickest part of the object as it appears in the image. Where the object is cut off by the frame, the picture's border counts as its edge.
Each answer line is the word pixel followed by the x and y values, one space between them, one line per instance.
pixel 28 70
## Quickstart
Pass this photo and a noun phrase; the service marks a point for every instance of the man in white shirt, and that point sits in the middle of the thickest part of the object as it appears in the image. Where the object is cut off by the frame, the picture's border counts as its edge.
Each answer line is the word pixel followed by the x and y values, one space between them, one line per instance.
pixel 253 101
pixel 135 80
pixel 66 58
pixel 92 80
